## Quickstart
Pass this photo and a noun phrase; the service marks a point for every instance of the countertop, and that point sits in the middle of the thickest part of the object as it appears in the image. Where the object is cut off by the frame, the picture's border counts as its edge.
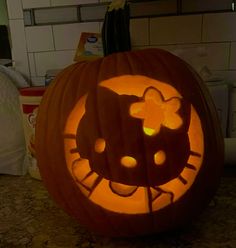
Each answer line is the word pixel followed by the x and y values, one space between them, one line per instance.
pixel 29 218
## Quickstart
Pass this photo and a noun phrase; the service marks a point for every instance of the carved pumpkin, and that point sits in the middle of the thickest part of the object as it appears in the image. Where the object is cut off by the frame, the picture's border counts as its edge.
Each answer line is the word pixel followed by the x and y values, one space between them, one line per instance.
pixel 129 144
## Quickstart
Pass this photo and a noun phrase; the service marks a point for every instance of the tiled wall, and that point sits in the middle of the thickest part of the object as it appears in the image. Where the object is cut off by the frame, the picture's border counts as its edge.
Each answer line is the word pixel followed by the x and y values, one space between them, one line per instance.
pixel 202 39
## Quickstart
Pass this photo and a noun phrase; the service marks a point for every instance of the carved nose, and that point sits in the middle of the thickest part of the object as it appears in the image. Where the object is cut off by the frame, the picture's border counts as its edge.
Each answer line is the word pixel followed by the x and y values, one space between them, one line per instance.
pixel 128 162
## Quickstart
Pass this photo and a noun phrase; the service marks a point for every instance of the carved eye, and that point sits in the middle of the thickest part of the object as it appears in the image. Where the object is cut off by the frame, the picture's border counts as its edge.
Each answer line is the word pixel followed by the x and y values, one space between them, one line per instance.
pixel 159 157
pixel 100 145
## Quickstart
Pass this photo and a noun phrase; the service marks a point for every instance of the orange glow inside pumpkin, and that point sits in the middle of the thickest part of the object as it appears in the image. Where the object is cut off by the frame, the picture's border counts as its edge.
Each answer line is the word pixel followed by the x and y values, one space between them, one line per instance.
pixel 135 199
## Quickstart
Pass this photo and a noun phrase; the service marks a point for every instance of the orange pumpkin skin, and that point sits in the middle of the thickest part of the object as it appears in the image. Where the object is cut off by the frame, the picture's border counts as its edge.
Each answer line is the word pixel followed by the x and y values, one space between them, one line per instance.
pixel 96 111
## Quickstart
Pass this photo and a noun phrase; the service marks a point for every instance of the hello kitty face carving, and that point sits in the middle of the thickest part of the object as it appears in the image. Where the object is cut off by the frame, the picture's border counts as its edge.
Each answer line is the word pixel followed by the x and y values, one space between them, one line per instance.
pixel 135 145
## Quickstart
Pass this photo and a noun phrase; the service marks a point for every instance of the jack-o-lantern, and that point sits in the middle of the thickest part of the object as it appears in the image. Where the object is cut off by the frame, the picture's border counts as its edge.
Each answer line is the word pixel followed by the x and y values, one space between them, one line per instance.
pixel 129 144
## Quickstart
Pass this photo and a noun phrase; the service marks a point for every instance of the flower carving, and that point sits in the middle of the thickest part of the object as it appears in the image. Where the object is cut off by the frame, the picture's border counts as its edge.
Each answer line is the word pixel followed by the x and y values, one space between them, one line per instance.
pixel 155 111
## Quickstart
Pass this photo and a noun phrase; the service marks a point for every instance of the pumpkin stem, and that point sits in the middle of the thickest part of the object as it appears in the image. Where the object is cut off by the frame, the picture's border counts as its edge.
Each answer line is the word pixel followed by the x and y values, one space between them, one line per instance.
pixel 116 4
pixel 115 29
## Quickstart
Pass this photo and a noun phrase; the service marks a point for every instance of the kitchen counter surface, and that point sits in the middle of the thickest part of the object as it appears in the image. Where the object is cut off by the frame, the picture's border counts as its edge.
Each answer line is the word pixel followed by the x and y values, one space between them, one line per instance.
pixel 29 218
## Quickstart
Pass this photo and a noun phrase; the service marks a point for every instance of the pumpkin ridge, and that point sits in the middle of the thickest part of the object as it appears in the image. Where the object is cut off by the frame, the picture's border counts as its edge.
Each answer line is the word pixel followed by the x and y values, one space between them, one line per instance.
pixel 134 70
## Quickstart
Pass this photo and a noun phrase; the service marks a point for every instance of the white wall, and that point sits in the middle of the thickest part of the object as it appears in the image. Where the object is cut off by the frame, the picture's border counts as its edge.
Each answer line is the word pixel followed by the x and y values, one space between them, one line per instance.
pixel 202 40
